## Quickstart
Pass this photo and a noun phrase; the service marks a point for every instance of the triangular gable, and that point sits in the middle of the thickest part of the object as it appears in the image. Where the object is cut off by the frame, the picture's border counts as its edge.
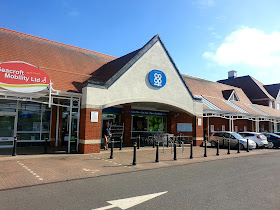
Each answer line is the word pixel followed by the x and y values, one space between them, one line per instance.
pixel 119 66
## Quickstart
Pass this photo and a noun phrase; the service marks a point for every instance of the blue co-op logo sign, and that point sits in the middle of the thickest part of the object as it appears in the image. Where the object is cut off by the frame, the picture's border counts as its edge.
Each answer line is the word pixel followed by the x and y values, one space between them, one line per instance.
pixel 157 78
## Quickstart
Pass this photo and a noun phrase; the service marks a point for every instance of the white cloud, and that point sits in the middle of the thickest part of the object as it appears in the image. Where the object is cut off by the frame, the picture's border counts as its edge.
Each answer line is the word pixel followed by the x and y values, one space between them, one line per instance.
pixel 206 3
pixel 248 46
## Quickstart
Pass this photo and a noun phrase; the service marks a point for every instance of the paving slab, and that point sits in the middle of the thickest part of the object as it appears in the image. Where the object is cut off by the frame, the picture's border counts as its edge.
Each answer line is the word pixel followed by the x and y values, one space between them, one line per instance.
pixel 33 169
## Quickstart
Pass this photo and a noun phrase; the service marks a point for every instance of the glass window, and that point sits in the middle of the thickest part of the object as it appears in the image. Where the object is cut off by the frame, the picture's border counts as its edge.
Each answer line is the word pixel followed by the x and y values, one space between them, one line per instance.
pixel 29 120
pixel 140 123
pixel 29 105
pixel 157 123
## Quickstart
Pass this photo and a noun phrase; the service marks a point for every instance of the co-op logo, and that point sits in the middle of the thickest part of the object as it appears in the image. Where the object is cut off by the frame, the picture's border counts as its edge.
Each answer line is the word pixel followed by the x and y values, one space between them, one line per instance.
pixel 157 78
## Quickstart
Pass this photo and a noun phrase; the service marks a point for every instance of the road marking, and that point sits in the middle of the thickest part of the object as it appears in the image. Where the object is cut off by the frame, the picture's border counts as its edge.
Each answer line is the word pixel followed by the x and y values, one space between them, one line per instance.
pixel 90 170
pixel 28 169
pixel 130 202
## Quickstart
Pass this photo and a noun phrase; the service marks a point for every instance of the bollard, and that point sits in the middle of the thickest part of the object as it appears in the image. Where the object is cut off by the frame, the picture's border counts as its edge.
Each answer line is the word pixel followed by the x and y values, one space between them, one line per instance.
pixel 191 155
pixel 228 152
pixel 183 146
pixel 247 145
pixel 112 150
pixel 218 149
pixel 121 143
pixel 167 143
pixel 157 153
pixel 238 146
pixel 175 152
pixel 205 148
pixel 223 142
pixel 162 145
pixel 154 141
pixel 46 145
pixel 138 144
pixel 15 147
pixel 134 154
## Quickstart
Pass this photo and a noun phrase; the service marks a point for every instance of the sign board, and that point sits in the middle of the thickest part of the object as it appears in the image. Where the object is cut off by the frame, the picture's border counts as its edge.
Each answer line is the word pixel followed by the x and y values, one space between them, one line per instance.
pixel 146 112
pixel 199 121
pixel 184 127
pixel 22 77
pixel 93 116
pixel 157 78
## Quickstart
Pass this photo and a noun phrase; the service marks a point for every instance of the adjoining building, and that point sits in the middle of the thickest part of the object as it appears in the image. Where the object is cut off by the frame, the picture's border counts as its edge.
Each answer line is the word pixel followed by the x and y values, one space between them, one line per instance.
pixel 254 89
pixel 142 91
pixel 227 108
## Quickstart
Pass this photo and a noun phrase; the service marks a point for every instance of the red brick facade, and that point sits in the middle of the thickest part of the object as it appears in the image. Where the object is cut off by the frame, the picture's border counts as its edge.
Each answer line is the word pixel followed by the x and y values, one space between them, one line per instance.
pixel 126 119
pixel 90 131
pixel 197 131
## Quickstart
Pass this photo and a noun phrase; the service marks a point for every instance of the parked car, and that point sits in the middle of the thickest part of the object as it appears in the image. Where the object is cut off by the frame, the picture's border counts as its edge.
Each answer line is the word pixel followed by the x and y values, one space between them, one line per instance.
pixel 273 140
pixel 224 136
pixel 277 133
pixel 259 138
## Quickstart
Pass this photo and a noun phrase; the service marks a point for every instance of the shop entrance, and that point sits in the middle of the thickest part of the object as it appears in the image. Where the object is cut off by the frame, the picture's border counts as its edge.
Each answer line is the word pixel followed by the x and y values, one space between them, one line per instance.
pixel 7 129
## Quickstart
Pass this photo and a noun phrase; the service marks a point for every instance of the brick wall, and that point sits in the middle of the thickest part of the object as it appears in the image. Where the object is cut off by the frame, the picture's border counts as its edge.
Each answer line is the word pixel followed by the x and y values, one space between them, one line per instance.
pixel 90 131
pixel 179 117
pixel 126 119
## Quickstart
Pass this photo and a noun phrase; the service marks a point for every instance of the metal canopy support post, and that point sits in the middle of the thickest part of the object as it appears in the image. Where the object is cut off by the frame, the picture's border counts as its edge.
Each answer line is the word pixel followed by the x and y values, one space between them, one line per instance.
pixel 57 126
pixel 229 124
pixel 275 126
pixel 50 95
pixel 208 131
pixel 257 125
pixel 70 124
pixel 78 126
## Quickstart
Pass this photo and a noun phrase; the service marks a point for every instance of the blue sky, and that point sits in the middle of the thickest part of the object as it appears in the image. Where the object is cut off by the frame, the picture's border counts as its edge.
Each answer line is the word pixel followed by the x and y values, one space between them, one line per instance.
pixel 206 38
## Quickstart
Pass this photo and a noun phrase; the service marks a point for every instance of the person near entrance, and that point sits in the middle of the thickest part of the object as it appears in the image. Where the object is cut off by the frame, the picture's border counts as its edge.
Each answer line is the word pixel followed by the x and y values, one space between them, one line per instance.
pixel 107 135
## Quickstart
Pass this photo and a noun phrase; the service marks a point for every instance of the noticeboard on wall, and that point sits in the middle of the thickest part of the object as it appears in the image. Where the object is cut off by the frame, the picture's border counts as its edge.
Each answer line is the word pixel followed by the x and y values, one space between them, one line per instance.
pixel 93 116
pixel 184 127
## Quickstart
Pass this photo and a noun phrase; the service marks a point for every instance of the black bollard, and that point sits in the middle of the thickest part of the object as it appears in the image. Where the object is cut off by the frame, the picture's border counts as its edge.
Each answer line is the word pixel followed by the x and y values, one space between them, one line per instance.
pixel 247 145
pixel 121 143
pixel 167 143
pixel 205 148
pixel 112 150
pixel 175 152
pixel 228 152
pixel 154 141
pixel 138 144
pixel 46 146
pixel 15 147
pixel 191 155
pixel 134 154
pixel 157 153
pixel 223 142
pixel 238 146
pixel 218 148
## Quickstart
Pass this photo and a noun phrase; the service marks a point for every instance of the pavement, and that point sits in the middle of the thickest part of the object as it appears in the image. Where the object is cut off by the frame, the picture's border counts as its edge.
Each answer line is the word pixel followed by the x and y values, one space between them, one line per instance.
pixel 31 167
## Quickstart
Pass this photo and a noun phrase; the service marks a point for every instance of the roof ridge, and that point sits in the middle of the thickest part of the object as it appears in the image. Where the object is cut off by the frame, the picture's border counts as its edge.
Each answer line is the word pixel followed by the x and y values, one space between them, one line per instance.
pixel 218 83
pixel 51 41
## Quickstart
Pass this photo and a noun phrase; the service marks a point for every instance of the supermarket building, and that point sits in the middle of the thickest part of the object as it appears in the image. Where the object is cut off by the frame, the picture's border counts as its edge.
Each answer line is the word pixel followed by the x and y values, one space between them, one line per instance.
pixel 79 89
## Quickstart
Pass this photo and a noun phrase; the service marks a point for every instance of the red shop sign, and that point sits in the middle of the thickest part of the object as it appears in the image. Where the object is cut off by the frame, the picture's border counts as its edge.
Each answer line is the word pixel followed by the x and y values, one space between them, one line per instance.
pixel 22 77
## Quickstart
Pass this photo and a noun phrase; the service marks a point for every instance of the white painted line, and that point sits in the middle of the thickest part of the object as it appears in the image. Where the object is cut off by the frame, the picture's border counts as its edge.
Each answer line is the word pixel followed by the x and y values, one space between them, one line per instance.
pixel 127 203
pixel 28 169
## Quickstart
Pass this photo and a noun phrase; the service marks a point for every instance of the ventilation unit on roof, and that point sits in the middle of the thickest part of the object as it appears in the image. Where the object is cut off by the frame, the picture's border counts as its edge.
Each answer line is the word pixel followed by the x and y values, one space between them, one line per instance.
pixel 232 74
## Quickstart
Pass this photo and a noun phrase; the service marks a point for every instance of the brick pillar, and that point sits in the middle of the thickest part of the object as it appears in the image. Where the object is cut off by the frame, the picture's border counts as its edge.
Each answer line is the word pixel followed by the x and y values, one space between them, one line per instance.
pixel 90 132
pixel 198 131
pixel 126 119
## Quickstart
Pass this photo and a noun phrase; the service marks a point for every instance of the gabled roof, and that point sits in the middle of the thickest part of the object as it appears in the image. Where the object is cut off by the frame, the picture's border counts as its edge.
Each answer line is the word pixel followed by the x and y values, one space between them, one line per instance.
pixel 253 88
pixel 227 93
pixel 111 71
pixel 273 89
pixel 204 87
pixel 67 66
